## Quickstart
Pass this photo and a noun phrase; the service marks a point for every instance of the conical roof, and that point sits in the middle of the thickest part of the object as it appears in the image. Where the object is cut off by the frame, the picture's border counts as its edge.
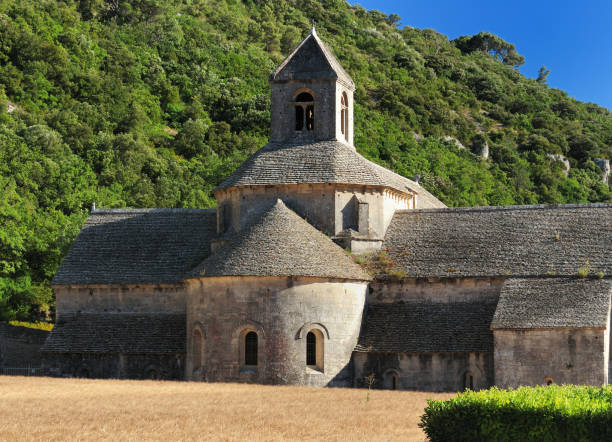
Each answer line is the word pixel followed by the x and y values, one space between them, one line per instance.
pixel 311 60
pixel 278 242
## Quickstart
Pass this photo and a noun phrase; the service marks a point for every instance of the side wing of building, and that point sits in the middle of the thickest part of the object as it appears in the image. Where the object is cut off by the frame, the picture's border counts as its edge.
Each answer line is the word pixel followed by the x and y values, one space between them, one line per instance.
pixel 532 282
pixel 120 295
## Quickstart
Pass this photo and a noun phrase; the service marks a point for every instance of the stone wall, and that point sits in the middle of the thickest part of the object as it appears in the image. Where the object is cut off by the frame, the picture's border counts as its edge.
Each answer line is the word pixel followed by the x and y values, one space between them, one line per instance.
pixel 433 371
pixel 445 290
pixel 425 371
pixel 127 298
pixel 565 356
pixel 281 310
pixel 20 346
pixel 382 204
pixel 115 366
pixel 314 202
pixel 328 207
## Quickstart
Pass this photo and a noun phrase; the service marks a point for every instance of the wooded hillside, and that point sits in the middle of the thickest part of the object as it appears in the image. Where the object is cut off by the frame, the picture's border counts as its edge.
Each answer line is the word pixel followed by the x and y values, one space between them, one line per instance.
pixel 151 103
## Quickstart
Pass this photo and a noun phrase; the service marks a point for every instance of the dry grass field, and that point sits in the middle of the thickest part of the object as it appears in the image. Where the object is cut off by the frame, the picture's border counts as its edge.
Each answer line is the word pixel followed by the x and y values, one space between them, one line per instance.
pixel 68 409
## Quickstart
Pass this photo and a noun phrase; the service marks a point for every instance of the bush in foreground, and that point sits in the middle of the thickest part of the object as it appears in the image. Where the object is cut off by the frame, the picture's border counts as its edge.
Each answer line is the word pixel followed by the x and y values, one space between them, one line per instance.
pixel 546 413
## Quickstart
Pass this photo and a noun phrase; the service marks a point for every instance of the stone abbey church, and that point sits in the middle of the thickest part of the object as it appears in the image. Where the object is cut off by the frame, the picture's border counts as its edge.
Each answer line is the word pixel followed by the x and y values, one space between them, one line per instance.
pixel 262 289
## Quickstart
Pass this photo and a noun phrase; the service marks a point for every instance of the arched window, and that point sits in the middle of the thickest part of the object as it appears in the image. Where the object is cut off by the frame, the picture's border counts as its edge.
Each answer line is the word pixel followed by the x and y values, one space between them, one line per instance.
pixel 314 349
pixel 391 380
pixel 549 380
pixel 311 349
pixel 152 373
pixel 468 381
pixel 304 112
pixel 197 349
pixel 344 115
pixel 250 348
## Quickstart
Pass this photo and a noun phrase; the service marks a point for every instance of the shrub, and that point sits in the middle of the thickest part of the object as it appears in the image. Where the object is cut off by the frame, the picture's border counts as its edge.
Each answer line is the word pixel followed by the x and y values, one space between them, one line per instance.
pixel 585 269
pixel 546 413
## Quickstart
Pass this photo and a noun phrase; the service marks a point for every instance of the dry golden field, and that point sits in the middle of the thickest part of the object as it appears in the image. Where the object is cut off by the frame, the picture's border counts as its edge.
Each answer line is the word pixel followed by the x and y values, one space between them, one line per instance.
pixel 64 409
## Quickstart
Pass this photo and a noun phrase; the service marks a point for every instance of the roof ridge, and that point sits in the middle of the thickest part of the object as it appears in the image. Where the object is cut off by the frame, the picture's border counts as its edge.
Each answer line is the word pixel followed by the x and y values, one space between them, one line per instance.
pixel 148 210
pixel 516 207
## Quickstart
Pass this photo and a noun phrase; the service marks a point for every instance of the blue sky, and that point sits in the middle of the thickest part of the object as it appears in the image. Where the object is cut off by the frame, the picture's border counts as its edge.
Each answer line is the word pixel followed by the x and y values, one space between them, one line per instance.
pixel 571 38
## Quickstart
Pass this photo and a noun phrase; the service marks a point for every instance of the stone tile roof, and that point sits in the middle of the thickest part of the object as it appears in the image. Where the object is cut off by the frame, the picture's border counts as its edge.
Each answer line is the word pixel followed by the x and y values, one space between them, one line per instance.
pixel 309 61
pixel 320 162
pixel 427 327
pixel 527 303
pixel 127 333
pixel 501 241
pixel 280 243
pixel 138 246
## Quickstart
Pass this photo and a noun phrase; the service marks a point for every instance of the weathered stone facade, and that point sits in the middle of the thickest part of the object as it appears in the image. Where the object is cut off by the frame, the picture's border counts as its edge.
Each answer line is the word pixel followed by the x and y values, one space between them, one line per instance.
pixel 264 288
pixel 563 356
pixel 281 310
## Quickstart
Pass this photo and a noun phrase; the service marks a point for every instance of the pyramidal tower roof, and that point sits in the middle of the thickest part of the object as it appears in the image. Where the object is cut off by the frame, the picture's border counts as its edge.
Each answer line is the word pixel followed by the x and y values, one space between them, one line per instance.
pixel 311 60
pixel 279 242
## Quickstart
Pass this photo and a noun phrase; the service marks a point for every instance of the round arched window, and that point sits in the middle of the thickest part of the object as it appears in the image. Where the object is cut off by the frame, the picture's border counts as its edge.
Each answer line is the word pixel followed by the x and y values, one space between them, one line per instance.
pixel 344 115
pixel 304 111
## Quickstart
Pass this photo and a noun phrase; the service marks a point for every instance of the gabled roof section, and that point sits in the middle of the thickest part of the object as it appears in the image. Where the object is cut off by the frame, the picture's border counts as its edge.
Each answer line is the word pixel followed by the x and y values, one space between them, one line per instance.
pixel 427 327
pixel 138 246
pixel 278 242
pixel 511 241
pixel 119 333
pixel 553 302
pixel 311 60
pixel 320 162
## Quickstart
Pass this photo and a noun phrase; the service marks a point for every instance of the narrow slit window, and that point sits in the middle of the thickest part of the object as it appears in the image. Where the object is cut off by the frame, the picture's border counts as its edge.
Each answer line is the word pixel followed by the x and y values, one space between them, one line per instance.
pixel 344 115
pixel 311 349
pixel 250 348
pixel 197 349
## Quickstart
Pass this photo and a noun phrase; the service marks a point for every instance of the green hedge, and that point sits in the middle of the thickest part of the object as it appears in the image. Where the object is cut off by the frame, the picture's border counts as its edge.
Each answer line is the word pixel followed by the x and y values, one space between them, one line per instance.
pixel 547 413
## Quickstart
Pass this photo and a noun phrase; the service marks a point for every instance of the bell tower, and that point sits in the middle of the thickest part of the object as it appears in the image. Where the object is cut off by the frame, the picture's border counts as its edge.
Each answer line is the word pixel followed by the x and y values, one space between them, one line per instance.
pixel 312 96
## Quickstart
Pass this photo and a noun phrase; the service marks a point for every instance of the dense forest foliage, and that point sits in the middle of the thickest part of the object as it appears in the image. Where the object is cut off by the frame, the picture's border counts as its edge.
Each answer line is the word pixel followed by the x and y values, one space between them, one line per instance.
pixel 151 103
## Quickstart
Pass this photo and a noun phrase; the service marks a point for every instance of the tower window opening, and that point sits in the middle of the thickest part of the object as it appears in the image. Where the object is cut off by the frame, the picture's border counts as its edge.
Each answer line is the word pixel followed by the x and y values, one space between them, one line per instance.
pixel 304 112
pixel 304 97
pixel 250 348
pixel 344 115
pixel 310 117
pixel 299 118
